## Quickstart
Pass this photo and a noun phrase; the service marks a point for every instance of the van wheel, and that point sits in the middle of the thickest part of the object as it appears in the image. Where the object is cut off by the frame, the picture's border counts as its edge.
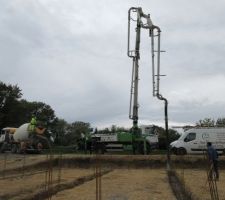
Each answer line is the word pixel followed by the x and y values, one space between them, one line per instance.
pixel 173 150
pixel 181 151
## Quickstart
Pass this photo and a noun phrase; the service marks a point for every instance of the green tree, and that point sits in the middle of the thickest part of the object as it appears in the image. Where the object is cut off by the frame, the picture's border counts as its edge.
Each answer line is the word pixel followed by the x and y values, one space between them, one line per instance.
pixel 113 128
pixel 121 129
pixel 220 122
pixel 43 112
pixel 104 131
pixel 173 135
pixel 95 131
pixel 76 131
pixel 207 122
pixel 59 131
pixel 15 111
pixel 9 102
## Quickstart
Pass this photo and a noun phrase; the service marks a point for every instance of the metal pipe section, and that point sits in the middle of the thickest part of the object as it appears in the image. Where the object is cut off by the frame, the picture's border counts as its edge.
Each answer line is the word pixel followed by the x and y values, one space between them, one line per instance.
pixel 131 93
pixel 153 62
pixel 129 52
pixel 157 86
pixel 160 97
pixel 155 83
pixel 128 38
pixel 158 60
pixel 135 55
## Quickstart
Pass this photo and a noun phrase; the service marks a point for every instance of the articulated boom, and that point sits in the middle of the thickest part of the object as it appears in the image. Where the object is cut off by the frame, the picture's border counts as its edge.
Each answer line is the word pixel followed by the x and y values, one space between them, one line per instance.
pixel 154 34
pixel 135 55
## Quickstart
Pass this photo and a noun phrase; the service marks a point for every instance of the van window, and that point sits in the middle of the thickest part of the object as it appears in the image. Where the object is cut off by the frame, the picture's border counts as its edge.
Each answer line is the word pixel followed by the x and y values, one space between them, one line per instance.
pixel 190 137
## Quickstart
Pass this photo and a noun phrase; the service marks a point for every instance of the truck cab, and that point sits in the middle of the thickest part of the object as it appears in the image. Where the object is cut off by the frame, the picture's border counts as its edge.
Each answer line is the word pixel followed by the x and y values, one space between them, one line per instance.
pixel 149 132
pixel 7 130
pixel 6 138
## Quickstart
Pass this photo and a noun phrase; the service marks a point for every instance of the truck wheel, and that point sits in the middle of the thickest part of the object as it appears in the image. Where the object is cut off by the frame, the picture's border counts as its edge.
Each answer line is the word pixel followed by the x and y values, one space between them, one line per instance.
pixel 14 149
pixel 148 149
pixel 181 151
pixel 141 148
pixel 21 148
pixel 39 147
pixel 103 149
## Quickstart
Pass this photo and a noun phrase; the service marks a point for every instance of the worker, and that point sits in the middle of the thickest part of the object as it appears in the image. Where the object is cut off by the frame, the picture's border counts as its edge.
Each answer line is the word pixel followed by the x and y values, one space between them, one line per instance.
pixel 213 159
pixel 6 141
pixel 33 123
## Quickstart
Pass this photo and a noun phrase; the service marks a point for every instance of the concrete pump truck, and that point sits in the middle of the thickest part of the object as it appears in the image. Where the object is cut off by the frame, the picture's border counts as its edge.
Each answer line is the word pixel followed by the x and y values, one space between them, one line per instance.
pixel 143 21
pixel 140 139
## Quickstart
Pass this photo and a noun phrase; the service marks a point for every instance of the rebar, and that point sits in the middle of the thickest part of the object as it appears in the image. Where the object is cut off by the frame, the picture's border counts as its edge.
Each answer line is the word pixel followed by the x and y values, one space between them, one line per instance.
pixel 4 166
pixel 48 175
pixel 98 175
pixel 211 178
pixel 98 182
pixel 23 165
pixel 27 174
pixel 59 168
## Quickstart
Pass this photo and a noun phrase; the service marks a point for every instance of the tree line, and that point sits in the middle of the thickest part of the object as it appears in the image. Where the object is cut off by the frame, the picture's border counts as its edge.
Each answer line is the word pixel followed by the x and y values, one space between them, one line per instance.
pixel 209 122
pixel 15 111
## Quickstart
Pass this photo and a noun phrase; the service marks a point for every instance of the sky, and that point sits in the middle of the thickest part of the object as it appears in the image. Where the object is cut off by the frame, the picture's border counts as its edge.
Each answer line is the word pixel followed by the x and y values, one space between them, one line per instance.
pixel 72 55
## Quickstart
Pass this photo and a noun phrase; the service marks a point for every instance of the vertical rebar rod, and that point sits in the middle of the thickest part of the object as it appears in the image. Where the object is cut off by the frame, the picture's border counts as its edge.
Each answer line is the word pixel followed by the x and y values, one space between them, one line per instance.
pixel 97 180
pixel 211 180
pixel 59 168
pixel 98 176
pixel 46 173
pixel 50 169
pixel 100 183
pixel 4 166
pixel 24 163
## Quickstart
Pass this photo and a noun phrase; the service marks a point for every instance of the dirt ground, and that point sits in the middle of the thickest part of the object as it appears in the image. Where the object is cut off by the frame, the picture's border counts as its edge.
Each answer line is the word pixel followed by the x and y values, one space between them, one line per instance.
pixel 195 180
pixel 128 177
pixel 136 184
pixel 28 184
pixel 122 184
pixel 10 161
pixel 133 184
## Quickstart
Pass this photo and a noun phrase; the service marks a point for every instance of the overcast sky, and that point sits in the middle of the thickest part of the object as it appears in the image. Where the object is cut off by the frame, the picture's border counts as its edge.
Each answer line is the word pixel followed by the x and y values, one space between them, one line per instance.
pixel 71 55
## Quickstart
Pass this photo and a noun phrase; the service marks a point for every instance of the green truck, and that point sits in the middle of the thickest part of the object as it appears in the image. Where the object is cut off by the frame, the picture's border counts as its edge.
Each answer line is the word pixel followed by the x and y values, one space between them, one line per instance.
pixel 141 143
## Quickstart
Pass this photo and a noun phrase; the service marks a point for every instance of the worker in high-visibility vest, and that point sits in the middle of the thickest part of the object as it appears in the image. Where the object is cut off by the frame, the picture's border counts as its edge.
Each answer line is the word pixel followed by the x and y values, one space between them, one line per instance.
pixel 33 123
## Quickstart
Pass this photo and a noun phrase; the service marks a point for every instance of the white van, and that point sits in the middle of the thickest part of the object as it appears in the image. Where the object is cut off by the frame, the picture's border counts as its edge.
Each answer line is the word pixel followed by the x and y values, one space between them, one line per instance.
pixel 194 140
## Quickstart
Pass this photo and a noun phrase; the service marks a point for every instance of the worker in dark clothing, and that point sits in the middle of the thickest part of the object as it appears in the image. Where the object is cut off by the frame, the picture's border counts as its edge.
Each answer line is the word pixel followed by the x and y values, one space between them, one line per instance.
pixel 6 142
pixel 213 159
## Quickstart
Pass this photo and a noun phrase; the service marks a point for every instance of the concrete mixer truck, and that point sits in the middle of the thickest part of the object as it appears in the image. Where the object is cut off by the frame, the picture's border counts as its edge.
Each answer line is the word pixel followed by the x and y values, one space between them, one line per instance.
pixel 26 138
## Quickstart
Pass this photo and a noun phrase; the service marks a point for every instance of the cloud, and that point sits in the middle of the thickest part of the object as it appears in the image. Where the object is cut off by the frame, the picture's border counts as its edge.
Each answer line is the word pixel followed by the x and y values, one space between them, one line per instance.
pixel 72 56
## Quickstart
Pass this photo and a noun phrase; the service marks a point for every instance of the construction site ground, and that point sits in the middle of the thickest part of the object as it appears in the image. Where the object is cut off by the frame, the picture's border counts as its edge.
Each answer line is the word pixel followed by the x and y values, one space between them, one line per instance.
pixel 134 177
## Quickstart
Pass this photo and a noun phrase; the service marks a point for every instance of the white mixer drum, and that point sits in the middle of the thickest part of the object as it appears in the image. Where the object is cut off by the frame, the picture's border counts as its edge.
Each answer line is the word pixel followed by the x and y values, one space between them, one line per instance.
pixel 21 133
